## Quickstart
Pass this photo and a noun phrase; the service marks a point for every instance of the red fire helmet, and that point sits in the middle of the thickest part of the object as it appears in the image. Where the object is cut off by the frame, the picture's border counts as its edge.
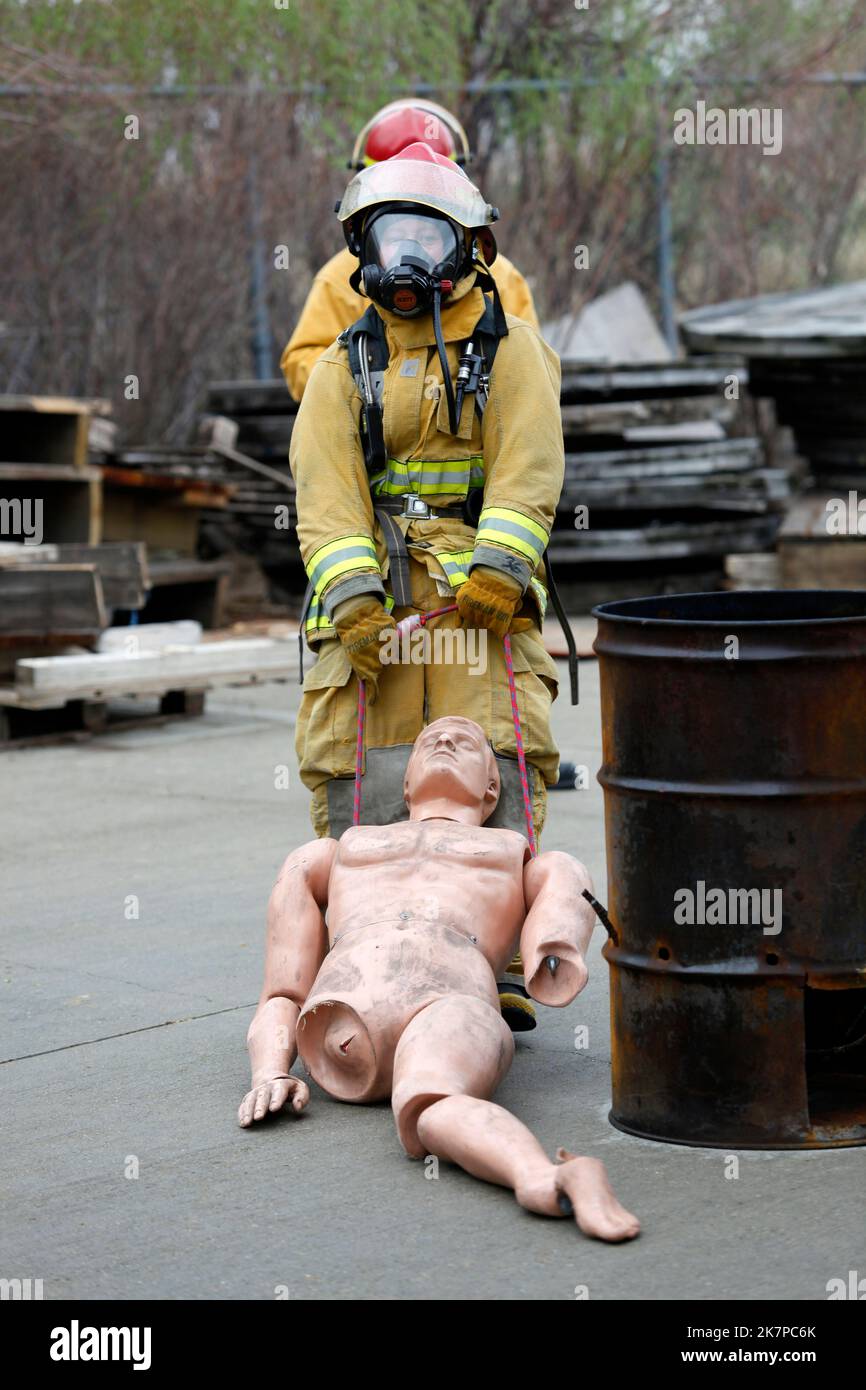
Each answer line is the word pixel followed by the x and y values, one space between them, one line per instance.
pixel 406 122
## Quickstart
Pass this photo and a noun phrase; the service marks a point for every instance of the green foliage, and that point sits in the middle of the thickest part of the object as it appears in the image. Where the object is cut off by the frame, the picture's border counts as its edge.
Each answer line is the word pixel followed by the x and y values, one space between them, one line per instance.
pixel 350 55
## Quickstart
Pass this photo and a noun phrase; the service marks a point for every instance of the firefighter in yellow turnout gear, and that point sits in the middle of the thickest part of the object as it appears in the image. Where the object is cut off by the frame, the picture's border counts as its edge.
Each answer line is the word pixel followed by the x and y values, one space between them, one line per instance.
pixel 455 504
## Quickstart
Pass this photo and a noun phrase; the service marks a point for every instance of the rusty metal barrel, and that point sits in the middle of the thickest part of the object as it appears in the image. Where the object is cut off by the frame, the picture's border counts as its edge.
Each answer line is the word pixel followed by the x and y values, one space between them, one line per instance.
pixel 734 776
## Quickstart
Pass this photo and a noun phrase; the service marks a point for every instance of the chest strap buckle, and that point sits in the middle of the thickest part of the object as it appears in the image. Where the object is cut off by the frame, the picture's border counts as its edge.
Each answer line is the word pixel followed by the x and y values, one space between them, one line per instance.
pixel 416 508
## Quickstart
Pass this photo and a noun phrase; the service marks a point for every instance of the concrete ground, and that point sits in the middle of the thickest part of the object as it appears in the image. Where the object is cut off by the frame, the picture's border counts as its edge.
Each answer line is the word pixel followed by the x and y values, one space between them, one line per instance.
pixel 135 872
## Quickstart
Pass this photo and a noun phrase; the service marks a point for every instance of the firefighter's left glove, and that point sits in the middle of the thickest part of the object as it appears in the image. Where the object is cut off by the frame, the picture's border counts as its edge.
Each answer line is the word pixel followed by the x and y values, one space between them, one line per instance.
pixel 361 623
pixel 490 599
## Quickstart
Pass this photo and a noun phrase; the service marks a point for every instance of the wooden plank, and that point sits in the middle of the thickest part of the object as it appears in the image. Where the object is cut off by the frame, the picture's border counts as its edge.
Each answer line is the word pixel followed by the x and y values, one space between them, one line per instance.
pixel 95 676
pixel 65 503
pixel 236 398
pixel 48 405
pixel 834 563
pixel 48 473
pixel 808 515
pixel 39 602
pixel 154 518
pixel 285 480
pixel 825 321
pixel 21 553
pixel 188 460
pixel 187 490
pixel 122 567
pixel 757 571
pixel 640 464
pixel 622 383
pixel 661 541
pixel 755 492
pixel 616 417
pixel 101 436
pixel 604 417
pixel 94 536
pixel 149 637
pixel 699 431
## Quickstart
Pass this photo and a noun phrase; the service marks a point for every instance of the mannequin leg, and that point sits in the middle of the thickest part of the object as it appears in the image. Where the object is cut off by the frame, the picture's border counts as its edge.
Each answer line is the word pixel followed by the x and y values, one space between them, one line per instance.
pixel 448 1062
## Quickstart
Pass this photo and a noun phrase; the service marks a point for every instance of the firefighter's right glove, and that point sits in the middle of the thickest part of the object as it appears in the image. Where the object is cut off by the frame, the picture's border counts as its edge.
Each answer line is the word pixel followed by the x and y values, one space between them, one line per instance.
pixel 360 623
pixel 490 599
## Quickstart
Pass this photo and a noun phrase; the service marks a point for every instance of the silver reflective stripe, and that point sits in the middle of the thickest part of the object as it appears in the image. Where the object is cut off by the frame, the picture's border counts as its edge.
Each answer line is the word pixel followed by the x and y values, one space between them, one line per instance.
pixel 336 560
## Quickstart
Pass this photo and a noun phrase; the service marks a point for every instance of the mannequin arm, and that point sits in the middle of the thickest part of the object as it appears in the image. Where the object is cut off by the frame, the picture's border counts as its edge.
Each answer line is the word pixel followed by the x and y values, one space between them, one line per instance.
pixel 297 941
pixel 558 925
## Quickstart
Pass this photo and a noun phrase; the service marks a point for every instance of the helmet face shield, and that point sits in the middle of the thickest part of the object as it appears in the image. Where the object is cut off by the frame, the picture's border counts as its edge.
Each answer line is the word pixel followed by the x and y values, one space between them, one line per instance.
pixel 412 238
pixel 442 188
pixel 407 220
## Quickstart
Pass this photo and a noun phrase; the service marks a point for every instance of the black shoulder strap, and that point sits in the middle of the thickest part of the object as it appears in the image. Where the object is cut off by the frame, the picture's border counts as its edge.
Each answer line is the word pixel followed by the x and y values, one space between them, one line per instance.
pixel 485 281
pixel 367 337
pixel 489 329
pixel 371 327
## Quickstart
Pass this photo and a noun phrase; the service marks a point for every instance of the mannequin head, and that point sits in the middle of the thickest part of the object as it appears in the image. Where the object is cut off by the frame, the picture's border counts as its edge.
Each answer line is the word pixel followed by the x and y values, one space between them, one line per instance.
pixel 452 773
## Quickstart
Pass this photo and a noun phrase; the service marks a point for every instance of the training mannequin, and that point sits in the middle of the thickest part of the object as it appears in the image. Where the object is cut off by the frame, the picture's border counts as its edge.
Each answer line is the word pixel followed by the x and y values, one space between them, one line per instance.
pixel 395 995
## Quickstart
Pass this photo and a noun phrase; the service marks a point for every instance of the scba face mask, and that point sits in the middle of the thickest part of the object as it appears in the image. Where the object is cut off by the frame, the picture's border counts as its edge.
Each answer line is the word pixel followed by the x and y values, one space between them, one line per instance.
pixel 408 257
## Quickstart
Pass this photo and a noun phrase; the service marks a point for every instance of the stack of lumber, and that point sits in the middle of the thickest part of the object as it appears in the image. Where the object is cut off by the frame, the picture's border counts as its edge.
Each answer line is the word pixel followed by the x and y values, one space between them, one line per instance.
pixel 157 494
pixel 647 453
pixel 807 353
pixel 821 545
pixel 51 595
pixel 823 402
pixel 49 489
pixel 250 424
pixel 264 413
pixel 177 499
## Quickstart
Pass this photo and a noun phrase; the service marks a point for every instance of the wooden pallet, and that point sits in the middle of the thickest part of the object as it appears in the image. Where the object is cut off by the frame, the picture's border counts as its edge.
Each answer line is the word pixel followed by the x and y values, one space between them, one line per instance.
pixel 83 684
pixel 84 719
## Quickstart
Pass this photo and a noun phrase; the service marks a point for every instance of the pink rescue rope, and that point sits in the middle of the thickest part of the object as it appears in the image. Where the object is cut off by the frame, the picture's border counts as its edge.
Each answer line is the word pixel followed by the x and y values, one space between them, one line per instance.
pixel 359 751
pixel 410 624
pixel 521 756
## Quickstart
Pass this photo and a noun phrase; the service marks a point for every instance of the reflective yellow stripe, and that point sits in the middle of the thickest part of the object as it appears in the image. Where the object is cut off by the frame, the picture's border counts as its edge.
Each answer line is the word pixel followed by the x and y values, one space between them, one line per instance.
pixel 540 593
pixel 514 530
pixel 428 477
pixel 339 557
pixel 455 563
pixel 319 624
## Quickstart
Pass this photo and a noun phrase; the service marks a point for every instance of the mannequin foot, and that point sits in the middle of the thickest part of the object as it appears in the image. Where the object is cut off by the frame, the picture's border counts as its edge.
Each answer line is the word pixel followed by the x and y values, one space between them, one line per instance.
pixel 583 1190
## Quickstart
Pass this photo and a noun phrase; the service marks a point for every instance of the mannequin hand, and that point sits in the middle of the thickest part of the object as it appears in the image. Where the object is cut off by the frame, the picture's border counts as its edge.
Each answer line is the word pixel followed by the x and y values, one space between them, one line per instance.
pixel 270 1096
pixel 490 599
pixel 360 624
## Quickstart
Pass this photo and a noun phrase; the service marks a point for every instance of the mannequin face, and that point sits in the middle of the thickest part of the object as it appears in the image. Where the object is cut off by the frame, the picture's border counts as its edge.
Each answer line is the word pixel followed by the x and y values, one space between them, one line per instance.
pixel 452 760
